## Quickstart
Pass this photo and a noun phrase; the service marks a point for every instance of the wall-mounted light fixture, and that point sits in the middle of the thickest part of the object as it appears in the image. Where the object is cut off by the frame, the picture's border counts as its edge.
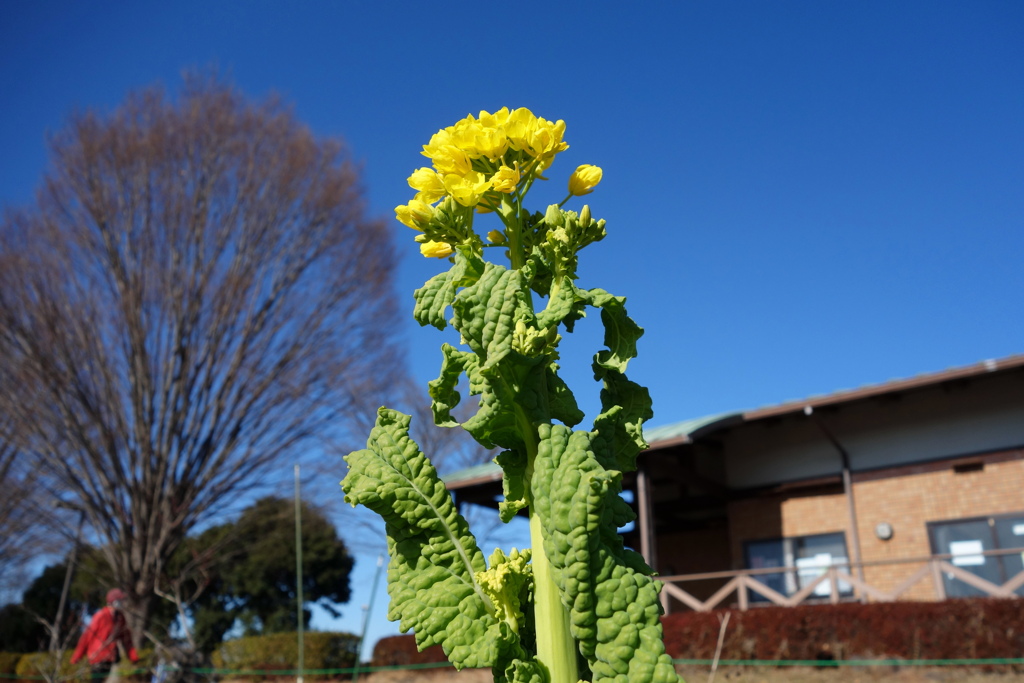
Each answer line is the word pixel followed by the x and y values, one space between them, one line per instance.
pixel 883 530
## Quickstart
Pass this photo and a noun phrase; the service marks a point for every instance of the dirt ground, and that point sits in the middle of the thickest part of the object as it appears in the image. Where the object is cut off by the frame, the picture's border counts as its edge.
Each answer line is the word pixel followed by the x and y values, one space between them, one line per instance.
pixel 734 674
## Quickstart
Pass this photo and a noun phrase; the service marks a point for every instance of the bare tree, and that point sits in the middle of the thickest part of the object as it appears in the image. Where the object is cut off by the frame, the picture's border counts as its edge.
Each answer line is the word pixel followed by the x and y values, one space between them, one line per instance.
pixel 194 295
pixel 24 531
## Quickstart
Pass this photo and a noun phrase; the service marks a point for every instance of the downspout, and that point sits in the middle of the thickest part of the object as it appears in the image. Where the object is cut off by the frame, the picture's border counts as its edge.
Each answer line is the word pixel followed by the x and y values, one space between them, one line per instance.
pixel 648 542
pixel 848 491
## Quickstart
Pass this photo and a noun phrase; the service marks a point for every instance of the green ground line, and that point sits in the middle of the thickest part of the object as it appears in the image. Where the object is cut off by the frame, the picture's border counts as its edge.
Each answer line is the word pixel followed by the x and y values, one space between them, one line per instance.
pixel 830 663
pixel 997 661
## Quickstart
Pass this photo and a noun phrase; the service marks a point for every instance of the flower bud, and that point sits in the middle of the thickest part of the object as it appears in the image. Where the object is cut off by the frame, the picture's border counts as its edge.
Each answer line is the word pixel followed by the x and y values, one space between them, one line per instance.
pixel 436 249
pixel 584 179
pixel 585 217
pixel 553 216
pixel 416 214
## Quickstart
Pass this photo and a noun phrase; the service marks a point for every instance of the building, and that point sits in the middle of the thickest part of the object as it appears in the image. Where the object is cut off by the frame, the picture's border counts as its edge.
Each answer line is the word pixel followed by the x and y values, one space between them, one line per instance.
pixel 910 489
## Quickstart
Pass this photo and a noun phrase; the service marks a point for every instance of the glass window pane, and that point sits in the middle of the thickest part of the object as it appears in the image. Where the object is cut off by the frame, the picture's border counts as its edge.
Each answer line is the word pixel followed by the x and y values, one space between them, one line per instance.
pixel 814 554
pixel 964 540
pixel 765 555
pixel 1010 534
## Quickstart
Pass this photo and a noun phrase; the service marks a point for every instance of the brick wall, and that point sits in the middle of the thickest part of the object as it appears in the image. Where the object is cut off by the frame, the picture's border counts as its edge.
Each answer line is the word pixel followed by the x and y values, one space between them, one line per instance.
pixel 909 497
pixel 905 497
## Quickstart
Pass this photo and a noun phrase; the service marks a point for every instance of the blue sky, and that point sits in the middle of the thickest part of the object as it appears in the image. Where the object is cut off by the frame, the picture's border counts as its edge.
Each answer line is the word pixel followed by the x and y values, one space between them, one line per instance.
pixel 801 196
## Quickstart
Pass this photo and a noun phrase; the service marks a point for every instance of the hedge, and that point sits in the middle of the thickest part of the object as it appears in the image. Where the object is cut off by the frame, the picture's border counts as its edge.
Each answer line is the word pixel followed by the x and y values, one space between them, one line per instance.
pixel 9 663
pixel 954 629
pixel 280 652
pixel 33 666
pixel 402 651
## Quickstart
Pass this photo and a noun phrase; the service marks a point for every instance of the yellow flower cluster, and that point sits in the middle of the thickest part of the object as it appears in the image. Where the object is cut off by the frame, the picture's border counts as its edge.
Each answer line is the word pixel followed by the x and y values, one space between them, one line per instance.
pixel 477 160
pixel 478 165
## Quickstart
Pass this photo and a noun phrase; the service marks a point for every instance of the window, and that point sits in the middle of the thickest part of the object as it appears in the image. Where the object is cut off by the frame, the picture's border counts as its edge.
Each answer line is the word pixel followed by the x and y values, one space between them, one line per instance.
pixel 965 538
pixel 808 556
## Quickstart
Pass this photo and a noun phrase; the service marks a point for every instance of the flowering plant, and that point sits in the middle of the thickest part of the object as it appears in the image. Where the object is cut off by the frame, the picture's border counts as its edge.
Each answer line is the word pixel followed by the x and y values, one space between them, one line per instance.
pixel 578 604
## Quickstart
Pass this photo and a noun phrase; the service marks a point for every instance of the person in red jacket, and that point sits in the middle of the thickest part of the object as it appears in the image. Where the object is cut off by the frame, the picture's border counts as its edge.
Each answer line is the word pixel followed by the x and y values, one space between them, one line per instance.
pixel 99 643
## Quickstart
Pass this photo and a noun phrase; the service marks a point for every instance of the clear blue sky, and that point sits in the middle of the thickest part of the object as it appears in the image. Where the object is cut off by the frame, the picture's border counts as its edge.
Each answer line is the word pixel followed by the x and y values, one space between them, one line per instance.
pixel 801 196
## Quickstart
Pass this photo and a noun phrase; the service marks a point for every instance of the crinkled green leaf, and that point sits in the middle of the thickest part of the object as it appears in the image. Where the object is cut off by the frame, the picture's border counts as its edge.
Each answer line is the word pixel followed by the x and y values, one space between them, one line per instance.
pixel 512 393
pixel 513 483
pixel 433 299
pixel 443 393
pixel 434 558
pixel 520 671
pixel 561 401
pixel 619 428
pixel 612 600
pixel 559 306
pixel 620 332
pixel 438 293
pixel 485 313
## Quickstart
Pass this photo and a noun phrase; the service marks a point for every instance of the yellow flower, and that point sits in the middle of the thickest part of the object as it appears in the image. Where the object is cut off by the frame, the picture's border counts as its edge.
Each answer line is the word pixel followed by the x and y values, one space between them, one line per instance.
pixel 466 188
pixel 490 142
pixel 428 183
pixel 539 138
pixel 451 159
pixel 519 127
pixel 444 151
pixel 584 179
pixel 416 214
pixel 496 237
pixel 478 140
pixel 495 120
pixel 505 180
pixel 437 140
pixel 436 249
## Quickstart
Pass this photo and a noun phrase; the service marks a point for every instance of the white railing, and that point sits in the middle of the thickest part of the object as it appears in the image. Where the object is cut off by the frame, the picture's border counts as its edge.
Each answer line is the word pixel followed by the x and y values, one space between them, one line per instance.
pixel 839 577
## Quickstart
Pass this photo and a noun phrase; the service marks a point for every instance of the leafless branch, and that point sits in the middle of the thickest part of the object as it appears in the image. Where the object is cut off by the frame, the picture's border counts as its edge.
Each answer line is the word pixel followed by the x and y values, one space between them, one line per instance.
pixel 195 295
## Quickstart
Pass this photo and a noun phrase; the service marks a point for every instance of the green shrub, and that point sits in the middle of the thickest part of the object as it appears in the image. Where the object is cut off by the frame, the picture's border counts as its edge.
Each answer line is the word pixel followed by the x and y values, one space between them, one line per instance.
pixel 38 665
pixel 280 652
pixel 9 663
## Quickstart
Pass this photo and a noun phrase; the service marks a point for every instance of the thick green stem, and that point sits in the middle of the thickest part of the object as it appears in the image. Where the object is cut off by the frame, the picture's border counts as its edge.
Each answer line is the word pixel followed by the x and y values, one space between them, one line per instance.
pixel 556 648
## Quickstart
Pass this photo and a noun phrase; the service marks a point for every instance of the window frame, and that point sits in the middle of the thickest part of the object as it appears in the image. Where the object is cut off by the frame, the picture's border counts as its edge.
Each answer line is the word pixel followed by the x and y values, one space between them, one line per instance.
pixel 789 575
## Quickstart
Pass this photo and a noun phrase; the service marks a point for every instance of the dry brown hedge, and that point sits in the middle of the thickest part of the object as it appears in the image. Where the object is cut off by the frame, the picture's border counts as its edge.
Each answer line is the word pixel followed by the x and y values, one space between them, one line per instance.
pixel 954 629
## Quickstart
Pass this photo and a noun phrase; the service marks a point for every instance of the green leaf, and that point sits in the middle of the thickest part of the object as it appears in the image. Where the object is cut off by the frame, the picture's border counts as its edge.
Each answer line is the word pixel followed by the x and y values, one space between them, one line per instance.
pixel 496 422
pixel 487 310
pixel 434 558
pixel 561 401
pixel 619 434
pixel 443 393
pixel 433 299
pixel 513 483
pixel 559 306
pixel 437 294
pixel 613 601
pixel 620 332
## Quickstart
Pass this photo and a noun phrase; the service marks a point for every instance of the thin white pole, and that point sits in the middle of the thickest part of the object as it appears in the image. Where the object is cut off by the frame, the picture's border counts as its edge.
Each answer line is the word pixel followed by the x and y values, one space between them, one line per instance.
pixel 298 571
pixel 366 617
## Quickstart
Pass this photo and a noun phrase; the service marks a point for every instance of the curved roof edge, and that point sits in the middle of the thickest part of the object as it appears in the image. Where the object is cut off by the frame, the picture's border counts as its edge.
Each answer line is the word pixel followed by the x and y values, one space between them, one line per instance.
pixel 677 433
pixel 657 437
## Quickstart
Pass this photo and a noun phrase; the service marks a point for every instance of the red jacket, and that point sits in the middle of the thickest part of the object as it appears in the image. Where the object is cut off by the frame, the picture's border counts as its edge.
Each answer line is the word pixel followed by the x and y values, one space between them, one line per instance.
pixel 99 642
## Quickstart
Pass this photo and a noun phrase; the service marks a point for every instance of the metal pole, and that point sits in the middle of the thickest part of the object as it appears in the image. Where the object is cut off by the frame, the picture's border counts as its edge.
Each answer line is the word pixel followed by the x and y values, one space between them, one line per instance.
pixel 851 508
pixel 366 618
pixel 72 559
pixel 298 572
